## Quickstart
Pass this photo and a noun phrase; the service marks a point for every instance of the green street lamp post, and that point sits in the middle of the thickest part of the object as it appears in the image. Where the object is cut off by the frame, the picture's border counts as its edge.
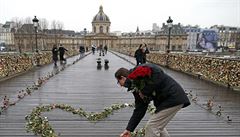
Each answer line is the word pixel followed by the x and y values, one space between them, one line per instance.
pixel 35 24
pixel 169 22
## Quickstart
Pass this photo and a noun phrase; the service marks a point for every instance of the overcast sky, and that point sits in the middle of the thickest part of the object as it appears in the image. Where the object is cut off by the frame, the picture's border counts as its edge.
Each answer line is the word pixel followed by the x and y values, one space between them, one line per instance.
pixel 125 15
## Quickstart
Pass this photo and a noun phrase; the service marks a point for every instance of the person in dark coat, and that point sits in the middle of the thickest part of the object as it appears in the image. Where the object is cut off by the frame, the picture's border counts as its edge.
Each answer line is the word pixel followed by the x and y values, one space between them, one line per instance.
pixel 55 54
pixel 139 55
pixel 105 49
pixel 101 51
pixel 93 49
pixel 145 52
pixel 167 95
pixel 62 50
pixel 82 51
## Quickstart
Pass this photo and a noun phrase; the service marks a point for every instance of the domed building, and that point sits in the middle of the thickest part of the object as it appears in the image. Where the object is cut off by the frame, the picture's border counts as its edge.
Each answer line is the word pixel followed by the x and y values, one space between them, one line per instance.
pixel 100 35
pixel 101 22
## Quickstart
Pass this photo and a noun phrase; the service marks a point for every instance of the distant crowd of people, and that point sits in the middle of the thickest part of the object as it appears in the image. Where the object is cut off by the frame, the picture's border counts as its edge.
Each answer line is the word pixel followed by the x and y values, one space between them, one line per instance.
pixel 101 49
pixel 58 53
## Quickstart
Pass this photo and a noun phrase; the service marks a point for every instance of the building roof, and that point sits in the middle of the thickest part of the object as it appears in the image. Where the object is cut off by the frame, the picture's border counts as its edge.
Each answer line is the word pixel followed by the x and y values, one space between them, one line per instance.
pixel 26 28
pixel 176 29
pixel 101 16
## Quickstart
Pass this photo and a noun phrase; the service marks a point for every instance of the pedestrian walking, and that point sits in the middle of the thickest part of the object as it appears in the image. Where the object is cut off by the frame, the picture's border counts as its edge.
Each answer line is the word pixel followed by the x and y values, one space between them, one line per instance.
pixel 93 49
pixel 62 50
pixel 105 49
pixel 81 51
pixel 145 52
pixel 139 55
pixel 55 54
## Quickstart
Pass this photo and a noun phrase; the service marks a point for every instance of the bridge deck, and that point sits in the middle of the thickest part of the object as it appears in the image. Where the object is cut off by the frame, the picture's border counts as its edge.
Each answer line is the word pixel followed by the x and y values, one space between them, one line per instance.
pixel 83 85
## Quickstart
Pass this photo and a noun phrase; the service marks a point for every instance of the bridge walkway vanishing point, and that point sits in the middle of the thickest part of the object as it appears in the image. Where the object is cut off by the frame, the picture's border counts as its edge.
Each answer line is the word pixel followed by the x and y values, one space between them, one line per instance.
pixel 81 84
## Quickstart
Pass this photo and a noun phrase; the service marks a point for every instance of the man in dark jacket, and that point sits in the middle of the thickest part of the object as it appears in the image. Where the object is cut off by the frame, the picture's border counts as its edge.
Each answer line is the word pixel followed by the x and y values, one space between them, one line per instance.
pixel 145 52
pixel 81 51
pixel 167 95
pixel 55 54
pixel 62 50
pixel 139 55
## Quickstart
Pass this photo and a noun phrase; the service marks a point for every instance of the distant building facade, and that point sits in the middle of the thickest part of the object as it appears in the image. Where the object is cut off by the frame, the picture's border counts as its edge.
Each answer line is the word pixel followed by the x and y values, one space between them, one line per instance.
pixel 100 35
pixel 7 31
pixel 229 37
pixel 155 28
pixel 178 38
pixel 192 38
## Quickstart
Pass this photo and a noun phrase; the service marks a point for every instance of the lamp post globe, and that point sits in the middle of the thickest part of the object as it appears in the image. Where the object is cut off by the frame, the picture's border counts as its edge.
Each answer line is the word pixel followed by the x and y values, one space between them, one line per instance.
pixel 85 31
pixel 169 21
pixel 35 22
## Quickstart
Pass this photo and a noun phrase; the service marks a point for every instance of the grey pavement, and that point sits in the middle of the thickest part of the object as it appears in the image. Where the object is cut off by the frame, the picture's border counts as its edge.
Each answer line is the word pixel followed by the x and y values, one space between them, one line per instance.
pixel 83 85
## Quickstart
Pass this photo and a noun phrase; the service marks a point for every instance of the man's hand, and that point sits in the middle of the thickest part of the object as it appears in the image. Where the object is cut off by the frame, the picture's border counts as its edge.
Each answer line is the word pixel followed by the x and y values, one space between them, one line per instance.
pixel 141 95
pixel 125 133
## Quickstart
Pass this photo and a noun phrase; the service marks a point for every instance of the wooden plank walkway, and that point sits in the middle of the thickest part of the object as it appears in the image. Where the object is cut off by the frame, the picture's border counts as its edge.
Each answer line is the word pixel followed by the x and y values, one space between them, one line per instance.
pixel 83 85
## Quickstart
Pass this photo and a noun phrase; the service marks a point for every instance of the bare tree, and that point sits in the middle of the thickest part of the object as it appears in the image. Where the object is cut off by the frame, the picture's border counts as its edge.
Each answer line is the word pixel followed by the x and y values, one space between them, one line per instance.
pixel 57 27
pixel 17 25
pixel 60 28
pixel 43 23
pixel 18 22
pixel 54 28
pixel 60 25
pixel 54 25
pixel 28 20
